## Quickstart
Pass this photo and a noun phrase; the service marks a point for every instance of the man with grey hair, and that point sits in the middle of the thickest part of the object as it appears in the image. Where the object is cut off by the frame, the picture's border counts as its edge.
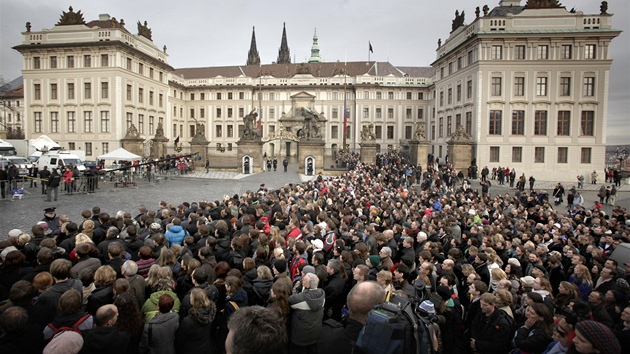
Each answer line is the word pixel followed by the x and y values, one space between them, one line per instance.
pixel 129 270
pixel 306 317
pixel 391 242
pixel 110 236
pixel 386 257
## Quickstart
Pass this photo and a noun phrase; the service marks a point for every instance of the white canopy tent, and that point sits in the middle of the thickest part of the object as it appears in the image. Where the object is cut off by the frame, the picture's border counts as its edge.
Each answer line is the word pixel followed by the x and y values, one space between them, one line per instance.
pixel 120 154
pixel 43 142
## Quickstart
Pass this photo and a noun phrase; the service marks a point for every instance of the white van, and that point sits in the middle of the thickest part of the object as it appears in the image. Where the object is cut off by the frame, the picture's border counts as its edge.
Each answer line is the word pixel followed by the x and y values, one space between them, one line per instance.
pixel 59 159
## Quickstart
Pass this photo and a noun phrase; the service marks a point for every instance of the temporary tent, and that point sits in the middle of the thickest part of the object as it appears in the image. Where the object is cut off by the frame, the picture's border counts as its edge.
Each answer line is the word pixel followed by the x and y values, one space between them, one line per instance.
pixel 120 154
pixel 43 142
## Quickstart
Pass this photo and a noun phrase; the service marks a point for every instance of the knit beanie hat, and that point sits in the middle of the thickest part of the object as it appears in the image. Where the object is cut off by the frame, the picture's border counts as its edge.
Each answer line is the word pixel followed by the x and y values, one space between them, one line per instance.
pixel 66 342
pixel 428 307
pixel 600 337
pixel 375 260
pixel 444 292
pixel 308 269
pixel 280 265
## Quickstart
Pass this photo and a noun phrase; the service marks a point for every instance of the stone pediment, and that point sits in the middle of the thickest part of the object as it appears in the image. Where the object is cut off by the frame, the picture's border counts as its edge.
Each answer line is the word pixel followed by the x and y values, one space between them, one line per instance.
pixel 302 95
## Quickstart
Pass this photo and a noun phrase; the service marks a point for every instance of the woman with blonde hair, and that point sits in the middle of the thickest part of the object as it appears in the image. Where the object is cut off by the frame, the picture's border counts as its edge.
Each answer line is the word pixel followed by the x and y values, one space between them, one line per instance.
pixel 79 239
pixel 104 279
pixel 193 333
pixel 497 274
pixel 582 278
pixel 88 228
pixel 504 301
pixel 261 286
pixel 278 253
pixel 152 279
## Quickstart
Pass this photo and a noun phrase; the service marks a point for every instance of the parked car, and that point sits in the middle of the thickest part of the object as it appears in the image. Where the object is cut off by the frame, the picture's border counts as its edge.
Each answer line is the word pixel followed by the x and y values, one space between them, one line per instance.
pixel 22 163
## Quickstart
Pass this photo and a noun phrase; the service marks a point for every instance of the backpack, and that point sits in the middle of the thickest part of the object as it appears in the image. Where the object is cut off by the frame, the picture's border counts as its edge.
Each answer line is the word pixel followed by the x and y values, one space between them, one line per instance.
pixel 73 328
pixel 390 328
pixel 431 336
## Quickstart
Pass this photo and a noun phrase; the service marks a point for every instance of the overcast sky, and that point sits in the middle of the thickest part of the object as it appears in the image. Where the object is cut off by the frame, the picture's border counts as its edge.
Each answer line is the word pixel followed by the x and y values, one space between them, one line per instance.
pixel 201 33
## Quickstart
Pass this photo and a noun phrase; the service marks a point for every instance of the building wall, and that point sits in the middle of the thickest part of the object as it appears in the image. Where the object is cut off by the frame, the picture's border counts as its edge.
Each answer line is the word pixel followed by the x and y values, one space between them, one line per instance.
pixel 530 46
pixel 76 86
pixel 471 82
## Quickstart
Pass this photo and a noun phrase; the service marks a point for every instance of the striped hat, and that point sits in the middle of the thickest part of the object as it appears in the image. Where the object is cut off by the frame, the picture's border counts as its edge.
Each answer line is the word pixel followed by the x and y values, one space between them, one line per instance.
pixel 600 337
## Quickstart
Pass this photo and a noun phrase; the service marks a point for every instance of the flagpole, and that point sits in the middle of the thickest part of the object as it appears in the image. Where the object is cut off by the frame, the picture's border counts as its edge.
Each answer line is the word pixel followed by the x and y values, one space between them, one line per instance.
pixel 259 123
pixel 369 50
pixel 345 109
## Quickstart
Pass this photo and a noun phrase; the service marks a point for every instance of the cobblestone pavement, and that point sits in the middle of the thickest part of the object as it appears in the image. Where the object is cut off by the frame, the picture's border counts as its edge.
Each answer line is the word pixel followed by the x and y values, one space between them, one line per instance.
pixel 24 213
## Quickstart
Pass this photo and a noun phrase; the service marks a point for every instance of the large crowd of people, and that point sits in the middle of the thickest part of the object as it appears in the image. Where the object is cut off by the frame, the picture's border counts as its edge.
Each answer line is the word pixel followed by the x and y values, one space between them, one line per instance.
pixel 297 270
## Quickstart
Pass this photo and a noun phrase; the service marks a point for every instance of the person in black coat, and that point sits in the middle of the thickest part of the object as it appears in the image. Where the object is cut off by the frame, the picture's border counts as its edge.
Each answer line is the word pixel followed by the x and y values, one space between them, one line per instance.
pixel 194 332
pixel 334 290
pixel 104 279
pixel 481 268
pixel 105 338
pixel 4 178
pixel 53 185
pixel 19 334
pixel 44 175
pixel 490 331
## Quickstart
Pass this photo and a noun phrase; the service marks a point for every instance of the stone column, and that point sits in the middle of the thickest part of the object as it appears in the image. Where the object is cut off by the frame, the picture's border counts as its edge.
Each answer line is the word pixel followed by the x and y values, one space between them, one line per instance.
pixel 368 152
pixel 419 152
pixel 159 147
pixel 199 145
pixel 460 149
pixel 460 154
pixel 253 149
pixel 314 149
pixel 134 145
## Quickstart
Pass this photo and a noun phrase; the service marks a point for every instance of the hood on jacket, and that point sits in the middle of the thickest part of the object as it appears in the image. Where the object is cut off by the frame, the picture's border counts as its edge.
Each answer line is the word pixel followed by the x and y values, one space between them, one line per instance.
pixel 262 287
pixel 313 298
pixel 175 229
pixel 204 316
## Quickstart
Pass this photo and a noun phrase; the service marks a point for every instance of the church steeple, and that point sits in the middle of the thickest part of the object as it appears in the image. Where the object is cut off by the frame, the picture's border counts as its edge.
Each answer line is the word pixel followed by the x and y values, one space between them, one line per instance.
pixel 252 57
pixel 315 58
pixel 284 57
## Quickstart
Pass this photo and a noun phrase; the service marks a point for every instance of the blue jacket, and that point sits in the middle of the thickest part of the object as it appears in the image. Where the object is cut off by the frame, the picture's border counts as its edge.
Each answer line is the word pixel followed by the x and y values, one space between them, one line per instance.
pixel 175 235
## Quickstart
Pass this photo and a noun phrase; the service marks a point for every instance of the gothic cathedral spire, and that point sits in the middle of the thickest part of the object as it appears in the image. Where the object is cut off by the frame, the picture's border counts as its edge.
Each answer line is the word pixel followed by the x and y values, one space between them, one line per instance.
pixel 315 58
pixel 284 57
pixel 252 57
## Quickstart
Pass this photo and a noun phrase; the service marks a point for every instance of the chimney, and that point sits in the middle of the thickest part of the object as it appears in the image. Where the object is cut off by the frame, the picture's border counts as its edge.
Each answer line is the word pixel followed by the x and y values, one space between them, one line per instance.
pixel 103 17
pixel 508 3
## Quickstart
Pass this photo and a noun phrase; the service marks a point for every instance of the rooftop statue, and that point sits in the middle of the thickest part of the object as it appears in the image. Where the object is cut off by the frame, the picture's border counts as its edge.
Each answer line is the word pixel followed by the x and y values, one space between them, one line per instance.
pixel 144 30
pixel 71 18
pixel 458 21
pixel 542 4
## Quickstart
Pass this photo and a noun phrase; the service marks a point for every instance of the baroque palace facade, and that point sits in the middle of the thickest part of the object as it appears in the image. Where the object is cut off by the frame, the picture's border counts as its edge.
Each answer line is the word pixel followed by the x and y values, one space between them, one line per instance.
pixel 527 82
